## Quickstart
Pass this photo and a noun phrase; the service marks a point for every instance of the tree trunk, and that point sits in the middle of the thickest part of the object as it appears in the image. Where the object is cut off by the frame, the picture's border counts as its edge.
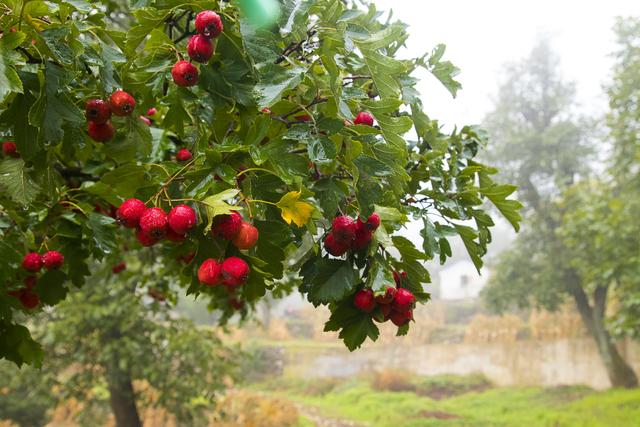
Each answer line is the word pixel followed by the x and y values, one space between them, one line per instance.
pixel 619 372
pixel 122 397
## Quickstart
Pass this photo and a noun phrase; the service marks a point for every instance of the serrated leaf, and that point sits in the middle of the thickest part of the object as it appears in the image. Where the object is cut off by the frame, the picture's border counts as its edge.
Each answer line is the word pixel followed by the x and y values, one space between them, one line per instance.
pixel 16 181
pixel 293 210
pixel 51 287
pixel 101 229
pixel 510 209
pixel 354 325
pixel 475 251
pixel 333 280
pixel 9 80
pixel 275 82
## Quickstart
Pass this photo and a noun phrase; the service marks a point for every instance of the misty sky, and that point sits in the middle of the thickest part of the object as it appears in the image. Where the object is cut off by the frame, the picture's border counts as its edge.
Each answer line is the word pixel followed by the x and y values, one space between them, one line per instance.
pixel 482 35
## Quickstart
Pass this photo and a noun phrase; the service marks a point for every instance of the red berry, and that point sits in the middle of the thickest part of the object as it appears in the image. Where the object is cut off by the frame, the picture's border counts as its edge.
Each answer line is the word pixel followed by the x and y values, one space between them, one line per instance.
pixel 364 118
pixel 146 239
pixel 200 48
pixel 227 226
pixel 52 260
pixel 97 111
pixel 30 282
pixel 247 236
pixel 303 118
pixel 32 262
pixel 209 272
pixel 373 222
pixel 362 238
pixel 208 23
pixel 364 300
pixel 404 300
pixel 119 267
pixel 122 103
pixel 151 111
pixel 130 211
pixel 334 247
pixel 265 110
pixel 154 222
pixel 184 74
pixel 101 132
pixel 181 218
pixel 145 120
pixel 235 271
pixel 183 155
pixel 29 299
pixel 9 149
pixel 388 296
pixel 343 229
pixel 401 318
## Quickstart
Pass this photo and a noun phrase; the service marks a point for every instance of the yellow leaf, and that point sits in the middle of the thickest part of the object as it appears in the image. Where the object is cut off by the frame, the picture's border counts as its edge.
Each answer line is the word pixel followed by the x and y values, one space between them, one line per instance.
pixel 293 209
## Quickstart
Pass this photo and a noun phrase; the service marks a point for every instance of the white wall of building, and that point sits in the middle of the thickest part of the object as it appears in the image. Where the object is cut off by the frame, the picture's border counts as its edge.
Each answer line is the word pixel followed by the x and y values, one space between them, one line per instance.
pixel 461 280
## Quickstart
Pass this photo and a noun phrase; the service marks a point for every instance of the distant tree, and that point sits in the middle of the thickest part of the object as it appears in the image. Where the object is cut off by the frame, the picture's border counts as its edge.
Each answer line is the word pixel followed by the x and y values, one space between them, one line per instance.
pixel 624 122
pixel 570 241
pixel 118 331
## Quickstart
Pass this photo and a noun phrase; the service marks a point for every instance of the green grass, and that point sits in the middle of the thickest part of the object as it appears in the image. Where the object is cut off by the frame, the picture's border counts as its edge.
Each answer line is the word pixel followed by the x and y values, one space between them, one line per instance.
pixel 564 406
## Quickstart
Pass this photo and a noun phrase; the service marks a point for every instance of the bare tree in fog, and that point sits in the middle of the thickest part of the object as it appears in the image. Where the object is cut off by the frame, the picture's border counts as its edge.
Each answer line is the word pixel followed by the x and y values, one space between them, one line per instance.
pixel 547 151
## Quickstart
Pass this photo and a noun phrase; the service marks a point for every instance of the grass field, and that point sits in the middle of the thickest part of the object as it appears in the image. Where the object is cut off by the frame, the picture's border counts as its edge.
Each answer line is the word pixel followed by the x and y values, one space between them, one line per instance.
pixel 357 400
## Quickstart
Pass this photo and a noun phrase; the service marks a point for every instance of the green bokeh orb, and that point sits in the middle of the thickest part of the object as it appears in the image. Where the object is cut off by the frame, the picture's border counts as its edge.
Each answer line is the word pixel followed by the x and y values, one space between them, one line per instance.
pixel 260 13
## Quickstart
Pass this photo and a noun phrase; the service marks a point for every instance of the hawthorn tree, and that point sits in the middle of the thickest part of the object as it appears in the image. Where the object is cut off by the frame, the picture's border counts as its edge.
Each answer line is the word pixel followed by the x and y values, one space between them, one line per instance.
pixel 115 345
pixel 309 130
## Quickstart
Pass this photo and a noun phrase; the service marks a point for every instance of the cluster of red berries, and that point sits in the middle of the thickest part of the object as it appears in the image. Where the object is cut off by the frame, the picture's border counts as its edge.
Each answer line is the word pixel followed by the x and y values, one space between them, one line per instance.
pixel 395 304
pixel 33 263
pixel 98 113
pixel 233 271
pixel 347 234
pixel 233 228
pixel 9 149
pixel 200 48
pixel 154 224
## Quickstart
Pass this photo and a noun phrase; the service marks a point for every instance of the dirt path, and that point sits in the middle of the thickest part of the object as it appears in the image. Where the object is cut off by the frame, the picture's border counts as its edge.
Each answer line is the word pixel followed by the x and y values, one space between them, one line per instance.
pixel 315 415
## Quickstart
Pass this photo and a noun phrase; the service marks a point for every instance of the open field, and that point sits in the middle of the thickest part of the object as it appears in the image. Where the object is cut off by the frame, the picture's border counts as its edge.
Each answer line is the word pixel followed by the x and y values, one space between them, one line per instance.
pixel 362 403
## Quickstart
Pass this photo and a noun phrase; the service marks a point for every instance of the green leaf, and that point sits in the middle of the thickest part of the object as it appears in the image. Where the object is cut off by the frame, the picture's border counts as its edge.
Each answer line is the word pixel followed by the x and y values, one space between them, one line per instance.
pixel 333 280
pixel 412 263
pixel 53 107
pixel 16 182
pixel 444 71
pixel 510 209
pixel 101 229
pixel 275 82
pixel 51 287
pixel 321 150
pixel 354 325
pixel 216 205
pixel 55 39
pixel 125 180
pixel 9 80
pixel 475 251
pixel 17 345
